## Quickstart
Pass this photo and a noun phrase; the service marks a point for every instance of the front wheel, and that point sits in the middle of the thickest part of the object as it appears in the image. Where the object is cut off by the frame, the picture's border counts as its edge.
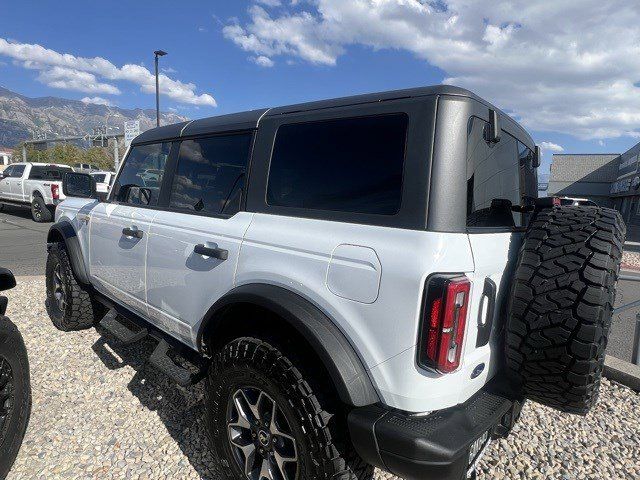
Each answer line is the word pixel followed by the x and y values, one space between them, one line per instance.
pixel 266 421
pixel 69 305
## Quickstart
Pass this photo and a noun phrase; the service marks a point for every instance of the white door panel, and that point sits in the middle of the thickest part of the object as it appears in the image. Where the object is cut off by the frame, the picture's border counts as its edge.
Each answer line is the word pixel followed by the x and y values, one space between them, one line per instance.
pixel 5 189
pixel 117 261
pixel 182 284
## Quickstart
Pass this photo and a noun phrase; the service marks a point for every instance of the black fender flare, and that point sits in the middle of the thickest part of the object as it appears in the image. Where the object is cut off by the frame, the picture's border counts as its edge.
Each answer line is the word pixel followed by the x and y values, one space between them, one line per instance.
pixel 64 231
pixel 350 377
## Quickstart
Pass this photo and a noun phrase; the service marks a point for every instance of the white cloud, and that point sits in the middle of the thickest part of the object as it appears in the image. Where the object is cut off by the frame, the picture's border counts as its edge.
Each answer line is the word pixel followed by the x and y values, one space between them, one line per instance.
pixel 601 143
pixel 71 79
pixel 262 61
pixel 553 147
pixel 96 101
pixel 63 70
pixel 566 66
pixel 270 3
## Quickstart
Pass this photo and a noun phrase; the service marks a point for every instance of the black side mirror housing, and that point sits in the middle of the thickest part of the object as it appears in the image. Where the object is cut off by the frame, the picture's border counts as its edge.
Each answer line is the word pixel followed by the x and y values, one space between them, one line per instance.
pixel 79 185
pixel 537 156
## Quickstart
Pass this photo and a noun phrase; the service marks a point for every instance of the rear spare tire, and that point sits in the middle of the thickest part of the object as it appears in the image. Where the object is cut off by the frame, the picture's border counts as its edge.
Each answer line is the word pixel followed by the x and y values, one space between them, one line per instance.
pixel 561 303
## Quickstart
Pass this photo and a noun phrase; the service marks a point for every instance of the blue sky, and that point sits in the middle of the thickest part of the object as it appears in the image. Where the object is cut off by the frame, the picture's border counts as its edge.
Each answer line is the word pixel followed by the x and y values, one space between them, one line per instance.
pixel 570 91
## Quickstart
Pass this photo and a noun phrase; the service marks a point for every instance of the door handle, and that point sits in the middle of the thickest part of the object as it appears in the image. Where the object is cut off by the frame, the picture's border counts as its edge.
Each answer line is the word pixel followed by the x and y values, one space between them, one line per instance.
pixel 219 253
pixel 485 322
pixel 132 232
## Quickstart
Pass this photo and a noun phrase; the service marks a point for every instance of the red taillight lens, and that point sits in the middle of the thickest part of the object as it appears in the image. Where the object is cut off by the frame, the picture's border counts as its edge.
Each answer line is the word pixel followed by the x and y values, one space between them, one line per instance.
pixel 447 299
pixel 55 191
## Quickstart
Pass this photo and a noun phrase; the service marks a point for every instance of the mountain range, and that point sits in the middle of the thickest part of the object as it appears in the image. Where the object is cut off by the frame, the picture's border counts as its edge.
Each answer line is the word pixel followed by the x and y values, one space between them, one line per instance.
pixel 22 117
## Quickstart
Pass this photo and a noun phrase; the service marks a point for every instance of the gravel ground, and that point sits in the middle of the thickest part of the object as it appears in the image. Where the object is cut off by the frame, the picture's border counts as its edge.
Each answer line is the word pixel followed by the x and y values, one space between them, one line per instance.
pixel 631 260
pixel 99 412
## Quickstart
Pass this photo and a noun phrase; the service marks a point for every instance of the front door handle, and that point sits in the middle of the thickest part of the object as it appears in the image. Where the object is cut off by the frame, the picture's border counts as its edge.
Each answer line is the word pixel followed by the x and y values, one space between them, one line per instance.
pixel 219 253
pixel 132 232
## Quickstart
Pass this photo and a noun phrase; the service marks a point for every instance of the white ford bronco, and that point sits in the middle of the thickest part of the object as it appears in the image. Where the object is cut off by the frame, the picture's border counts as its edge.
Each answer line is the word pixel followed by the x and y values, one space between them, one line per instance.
pixel 365 281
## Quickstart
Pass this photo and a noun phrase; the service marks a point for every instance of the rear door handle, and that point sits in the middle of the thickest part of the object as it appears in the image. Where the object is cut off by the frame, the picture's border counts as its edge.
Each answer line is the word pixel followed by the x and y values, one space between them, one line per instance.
pixel 132 232
pixel 219 253
pixel 485 316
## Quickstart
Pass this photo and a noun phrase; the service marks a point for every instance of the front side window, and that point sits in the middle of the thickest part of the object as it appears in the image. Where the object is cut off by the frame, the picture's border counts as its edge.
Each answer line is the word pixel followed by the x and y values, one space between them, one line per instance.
pixel 18 170
pixel 8 171
pixel 499 175
pixel 211 174
pixel 141 175
pixel 349 165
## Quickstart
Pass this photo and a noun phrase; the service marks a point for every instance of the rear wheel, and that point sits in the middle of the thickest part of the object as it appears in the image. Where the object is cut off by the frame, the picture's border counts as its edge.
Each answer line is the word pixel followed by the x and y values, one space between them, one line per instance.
pixel 69 305
pixel 267 422
pixel 39 210
pixel 561 305
pixel 15 393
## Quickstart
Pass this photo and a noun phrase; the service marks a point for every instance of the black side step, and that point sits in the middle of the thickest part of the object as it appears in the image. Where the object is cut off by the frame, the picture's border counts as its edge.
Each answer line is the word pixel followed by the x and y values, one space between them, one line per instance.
pixel 182 376
pixel 113 324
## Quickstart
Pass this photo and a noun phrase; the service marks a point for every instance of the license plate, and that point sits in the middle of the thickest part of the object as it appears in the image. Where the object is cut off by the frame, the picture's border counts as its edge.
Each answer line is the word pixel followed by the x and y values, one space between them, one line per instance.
pixel 476 451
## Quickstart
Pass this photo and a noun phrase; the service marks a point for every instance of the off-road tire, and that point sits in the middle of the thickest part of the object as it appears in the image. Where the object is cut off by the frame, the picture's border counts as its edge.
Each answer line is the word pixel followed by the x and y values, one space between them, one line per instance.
pixel 81 311
pixel 325 450
pixel 561 302
pixel 15 392
pixel 40 212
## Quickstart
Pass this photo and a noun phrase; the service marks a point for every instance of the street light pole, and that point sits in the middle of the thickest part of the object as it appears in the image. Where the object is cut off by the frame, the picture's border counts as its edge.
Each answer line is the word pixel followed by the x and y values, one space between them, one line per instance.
pixel 158 53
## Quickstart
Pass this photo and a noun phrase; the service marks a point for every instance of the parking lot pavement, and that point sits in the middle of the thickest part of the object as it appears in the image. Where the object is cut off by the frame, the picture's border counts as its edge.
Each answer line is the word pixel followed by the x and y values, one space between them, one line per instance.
pixel 22 242
pixel 100 412
pixel 623 324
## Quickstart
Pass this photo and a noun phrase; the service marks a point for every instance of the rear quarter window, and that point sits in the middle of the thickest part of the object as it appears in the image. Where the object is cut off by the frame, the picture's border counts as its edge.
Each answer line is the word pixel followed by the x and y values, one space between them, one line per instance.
pixel 349 165
pixel 499 175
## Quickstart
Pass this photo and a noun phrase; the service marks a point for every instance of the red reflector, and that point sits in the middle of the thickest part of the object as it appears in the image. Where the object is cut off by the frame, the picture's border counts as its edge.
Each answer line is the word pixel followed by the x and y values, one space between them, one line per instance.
pixel 55 191
pixel 435 321
pixel 446 323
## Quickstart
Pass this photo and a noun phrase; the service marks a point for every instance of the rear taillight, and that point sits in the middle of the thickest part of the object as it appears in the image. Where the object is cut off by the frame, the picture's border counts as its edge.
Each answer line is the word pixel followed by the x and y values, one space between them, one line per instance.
pixel 444 322
pixel 55 191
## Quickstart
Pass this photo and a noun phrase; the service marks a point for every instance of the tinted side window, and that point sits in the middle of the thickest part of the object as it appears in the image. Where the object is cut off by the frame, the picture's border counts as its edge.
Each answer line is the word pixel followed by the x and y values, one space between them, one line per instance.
pixel 39 172
pixel 211 174
pixel 18 170
pixel 8 171
pixel 494 179
pixel 141 176
pixel 348 165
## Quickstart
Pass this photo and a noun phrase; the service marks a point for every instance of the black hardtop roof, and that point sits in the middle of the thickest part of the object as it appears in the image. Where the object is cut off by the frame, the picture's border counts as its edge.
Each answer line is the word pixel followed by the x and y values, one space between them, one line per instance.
pixel 250 119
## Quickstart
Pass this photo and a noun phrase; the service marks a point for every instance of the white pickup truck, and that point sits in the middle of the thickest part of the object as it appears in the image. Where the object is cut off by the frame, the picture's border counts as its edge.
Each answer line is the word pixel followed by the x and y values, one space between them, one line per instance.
pixel 34 185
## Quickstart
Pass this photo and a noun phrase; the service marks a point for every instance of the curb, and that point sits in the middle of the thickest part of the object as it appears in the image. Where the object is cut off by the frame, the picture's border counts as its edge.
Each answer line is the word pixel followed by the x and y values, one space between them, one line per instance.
pixel 622 372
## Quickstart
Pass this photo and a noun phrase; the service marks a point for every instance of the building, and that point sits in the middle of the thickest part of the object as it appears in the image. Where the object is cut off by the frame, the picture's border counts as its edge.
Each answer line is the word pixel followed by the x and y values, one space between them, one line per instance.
pixel 625 191
pixel 584 176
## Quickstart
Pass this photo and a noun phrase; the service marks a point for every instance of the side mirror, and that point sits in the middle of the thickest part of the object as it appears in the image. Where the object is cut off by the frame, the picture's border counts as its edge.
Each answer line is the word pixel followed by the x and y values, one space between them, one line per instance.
pixel 537 157
pixel 81 185
pixel 494 127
